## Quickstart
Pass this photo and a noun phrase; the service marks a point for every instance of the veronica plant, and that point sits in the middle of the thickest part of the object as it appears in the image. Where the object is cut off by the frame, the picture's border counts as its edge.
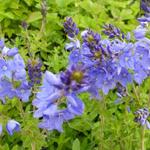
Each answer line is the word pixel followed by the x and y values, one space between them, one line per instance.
pixel 98 63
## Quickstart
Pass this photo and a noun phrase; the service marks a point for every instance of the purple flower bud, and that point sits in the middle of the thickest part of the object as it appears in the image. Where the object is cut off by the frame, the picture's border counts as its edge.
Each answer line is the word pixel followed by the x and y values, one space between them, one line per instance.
pixel 34 71
pixel 91 39
pixel 70 27
pixel 145 6
pixel 112 31
pixel 24 24
pixel 12 126
pixel 141 117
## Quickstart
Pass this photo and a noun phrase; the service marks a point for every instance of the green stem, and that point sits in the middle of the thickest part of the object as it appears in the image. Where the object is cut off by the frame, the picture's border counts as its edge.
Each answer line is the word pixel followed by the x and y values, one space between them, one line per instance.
pixel 136 94
pixel 102 123
pixel 33 146
pixel 28 42
pixel 21 109
pixel 142 138
pixel 44 13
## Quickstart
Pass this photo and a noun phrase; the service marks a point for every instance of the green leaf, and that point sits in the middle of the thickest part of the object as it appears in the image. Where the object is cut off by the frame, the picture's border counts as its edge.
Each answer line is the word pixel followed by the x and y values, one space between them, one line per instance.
pixel 34 17
pixel 63 3
pixel 76 144
pixel 28 2
pixel 6 15
pixel 15 147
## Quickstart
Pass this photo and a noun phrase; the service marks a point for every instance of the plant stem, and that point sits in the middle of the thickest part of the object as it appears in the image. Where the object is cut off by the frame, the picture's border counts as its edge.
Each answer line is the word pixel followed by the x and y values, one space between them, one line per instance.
pixel 27 38
pixel 102 122
pixel 21 109
pixel 142 138
pixel 136 94
pixel 33 146
pixel 44 13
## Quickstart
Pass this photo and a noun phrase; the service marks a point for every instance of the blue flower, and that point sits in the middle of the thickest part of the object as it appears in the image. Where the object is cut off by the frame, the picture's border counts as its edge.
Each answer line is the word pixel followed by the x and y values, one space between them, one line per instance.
pixel 75 57
pixel 56 102
pixel 73 45
pixel 6 90
pixel 9 52
pixel 139 73
pixel 124 77
pixel 75 78
pixel 53 117
pixel 12 126
pixel 23 91
pixel 5 69
pixel 142 54
pixel 140 32
pixel 13 82
pixel 12 52
pixel 144 19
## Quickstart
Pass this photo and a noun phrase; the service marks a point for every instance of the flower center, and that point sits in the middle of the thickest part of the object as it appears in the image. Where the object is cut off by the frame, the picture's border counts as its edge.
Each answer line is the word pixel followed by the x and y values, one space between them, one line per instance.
pixel 97 54
pixel 77 76
pixel 90 38
pixel 4 68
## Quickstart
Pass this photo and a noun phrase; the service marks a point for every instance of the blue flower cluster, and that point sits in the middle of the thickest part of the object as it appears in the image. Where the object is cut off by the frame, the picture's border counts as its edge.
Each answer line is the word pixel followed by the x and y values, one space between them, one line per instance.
pixel 13 82
pixel 114 60
pixel 95 64
pixel 98 63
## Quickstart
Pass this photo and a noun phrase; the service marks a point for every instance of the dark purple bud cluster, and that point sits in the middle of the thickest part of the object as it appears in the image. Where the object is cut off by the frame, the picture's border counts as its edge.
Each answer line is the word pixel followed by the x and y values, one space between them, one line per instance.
pixel 91 39
pixel 121 90
pixel 34 71
pixel 111 31
pixel 141 117
pixel 70 28
pixel 24 25
pixel 145 6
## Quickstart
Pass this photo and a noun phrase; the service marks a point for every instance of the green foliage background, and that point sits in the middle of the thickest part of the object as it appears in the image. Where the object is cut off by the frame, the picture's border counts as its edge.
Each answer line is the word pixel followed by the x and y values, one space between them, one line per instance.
pixel 104 125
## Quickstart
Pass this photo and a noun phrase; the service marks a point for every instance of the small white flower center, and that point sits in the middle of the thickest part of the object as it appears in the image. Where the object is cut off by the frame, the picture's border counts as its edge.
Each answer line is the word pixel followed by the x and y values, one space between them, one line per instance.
pixel 4 68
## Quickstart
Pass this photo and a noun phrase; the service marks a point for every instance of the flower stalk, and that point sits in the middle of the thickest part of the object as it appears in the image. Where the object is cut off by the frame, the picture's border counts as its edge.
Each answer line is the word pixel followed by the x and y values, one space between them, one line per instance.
pixel 142 138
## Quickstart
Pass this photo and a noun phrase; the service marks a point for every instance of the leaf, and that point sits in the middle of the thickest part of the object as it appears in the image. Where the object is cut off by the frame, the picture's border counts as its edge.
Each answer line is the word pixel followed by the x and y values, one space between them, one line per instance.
pixel 15 147
pixel 126 14
pixel 76 144
pixel 63 3
pixel 28 2
pixel 34 17
pixel 6 15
